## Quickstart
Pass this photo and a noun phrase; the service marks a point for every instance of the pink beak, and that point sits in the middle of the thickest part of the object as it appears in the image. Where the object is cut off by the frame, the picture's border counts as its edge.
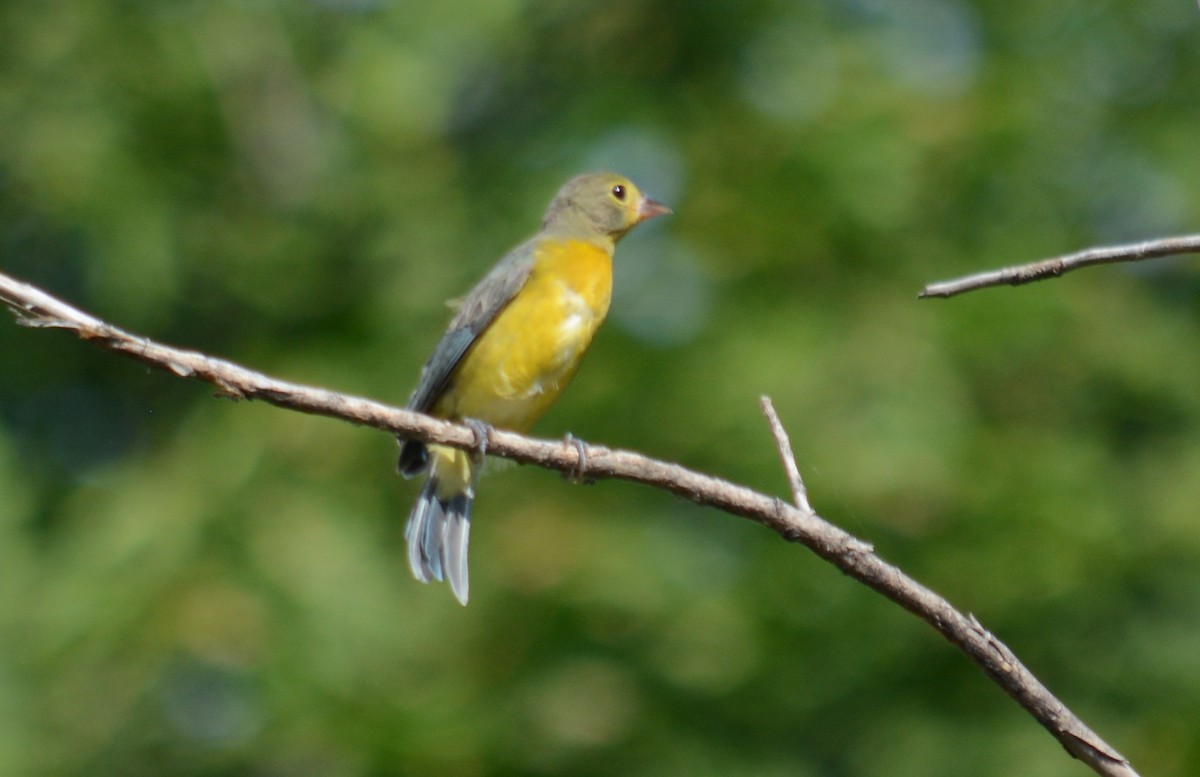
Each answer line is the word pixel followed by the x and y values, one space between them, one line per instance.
pixel 649 208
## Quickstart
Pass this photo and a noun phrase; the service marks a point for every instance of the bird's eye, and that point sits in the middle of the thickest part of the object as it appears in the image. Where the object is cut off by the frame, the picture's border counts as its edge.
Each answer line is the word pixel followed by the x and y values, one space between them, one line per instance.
pixel 619 192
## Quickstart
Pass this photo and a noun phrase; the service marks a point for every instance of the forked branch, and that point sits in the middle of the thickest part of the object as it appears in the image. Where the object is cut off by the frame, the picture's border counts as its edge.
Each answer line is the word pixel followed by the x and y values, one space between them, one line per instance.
pixel 795 522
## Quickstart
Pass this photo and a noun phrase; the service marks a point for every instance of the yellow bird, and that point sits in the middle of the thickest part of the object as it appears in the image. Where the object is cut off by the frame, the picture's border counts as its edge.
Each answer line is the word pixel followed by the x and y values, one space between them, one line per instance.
pixel 510 350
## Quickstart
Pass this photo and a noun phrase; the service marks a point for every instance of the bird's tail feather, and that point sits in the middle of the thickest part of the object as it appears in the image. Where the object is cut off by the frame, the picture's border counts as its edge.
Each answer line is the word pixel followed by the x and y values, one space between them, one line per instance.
pixel 439 526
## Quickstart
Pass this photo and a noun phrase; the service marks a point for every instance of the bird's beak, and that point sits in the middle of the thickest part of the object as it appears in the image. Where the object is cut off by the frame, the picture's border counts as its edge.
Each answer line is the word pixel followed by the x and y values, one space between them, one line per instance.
pixel 649 208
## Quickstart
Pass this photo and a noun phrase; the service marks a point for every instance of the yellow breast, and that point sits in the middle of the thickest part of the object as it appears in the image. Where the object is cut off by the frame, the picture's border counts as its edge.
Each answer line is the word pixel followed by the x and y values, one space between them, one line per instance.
pixel 526 357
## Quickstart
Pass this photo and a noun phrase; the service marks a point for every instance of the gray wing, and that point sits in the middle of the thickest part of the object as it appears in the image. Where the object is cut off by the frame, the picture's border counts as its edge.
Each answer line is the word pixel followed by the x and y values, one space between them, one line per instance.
pixel 490 296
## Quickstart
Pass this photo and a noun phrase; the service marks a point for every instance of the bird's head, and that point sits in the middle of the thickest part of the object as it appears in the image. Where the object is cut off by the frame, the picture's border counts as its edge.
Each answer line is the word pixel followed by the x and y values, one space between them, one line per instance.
pixel 600 205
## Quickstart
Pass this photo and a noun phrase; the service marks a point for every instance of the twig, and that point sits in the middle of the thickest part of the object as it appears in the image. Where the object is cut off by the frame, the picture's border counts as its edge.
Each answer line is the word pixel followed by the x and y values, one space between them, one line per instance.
pixel 784 445
pixel 795 523
pixel 1056 266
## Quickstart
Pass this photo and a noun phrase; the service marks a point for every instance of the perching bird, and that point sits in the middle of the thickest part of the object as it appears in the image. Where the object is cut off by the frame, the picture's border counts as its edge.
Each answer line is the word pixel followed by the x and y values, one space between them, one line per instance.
pixel 510 350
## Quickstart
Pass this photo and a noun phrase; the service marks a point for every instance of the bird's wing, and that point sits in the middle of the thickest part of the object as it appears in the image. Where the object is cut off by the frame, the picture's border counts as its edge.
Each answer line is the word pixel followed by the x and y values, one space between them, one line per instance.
pixel 476 311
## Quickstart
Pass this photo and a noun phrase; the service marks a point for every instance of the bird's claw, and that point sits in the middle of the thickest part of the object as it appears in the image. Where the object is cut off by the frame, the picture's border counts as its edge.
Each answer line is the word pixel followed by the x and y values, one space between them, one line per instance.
pixel 578 472
pixel 483 435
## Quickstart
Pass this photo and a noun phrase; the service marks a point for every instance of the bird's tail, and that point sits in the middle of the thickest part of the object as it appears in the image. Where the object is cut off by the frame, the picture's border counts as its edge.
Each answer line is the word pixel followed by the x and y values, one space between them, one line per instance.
pixel 439 525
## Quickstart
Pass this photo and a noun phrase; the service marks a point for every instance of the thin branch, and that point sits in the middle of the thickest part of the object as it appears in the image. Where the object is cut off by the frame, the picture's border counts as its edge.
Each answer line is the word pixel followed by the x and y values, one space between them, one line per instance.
pixel 1056 266
pixel 857 559
pixel 784 445
pixel 797 523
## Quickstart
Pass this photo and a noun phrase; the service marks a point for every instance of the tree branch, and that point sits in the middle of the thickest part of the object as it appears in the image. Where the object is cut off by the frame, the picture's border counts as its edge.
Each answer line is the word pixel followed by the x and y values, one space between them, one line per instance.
pixel 796 523
pixel 1056 266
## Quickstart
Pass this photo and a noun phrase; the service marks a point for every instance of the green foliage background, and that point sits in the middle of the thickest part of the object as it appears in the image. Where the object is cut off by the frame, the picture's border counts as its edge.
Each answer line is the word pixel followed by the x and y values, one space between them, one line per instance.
pixel 194 587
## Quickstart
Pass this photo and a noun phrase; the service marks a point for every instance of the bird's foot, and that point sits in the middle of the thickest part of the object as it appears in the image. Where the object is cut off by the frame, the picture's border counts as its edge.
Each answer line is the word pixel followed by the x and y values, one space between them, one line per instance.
pixel 578 472
pixel 483 436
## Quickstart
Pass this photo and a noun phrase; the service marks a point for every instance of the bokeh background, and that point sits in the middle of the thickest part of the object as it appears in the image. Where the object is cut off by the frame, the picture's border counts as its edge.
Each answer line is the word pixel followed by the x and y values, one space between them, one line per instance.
pixel 190 586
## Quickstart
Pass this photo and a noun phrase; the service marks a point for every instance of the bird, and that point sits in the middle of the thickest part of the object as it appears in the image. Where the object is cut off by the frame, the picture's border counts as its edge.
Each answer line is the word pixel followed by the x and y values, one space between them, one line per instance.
pixel 512 346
